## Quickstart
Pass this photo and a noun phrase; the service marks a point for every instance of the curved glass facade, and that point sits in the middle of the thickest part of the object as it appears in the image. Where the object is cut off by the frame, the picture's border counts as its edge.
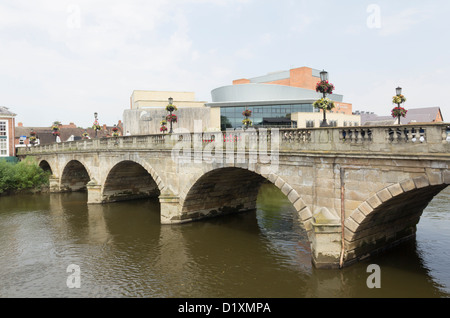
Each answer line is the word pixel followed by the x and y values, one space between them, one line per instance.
pixel 265 116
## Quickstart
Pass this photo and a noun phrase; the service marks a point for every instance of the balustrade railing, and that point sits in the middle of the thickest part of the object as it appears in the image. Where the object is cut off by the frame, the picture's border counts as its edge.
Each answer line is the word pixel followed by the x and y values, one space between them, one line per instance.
pixel 432 138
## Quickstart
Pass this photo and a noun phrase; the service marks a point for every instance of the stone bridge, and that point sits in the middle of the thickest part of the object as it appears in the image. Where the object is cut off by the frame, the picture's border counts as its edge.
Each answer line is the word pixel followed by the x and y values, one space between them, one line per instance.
pixel 358 190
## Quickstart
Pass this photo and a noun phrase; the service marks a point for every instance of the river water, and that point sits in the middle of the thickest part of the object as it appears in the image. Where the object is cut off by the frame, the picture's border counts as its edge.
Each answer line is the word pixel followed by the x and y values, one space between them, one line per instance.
pixel 51 242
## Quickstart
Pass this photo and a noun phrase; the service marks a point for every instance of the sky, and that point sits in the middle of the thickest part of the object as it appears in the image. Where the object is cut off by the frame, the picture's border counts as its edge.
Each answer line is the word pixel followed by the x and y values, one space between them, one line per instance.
pixel 64 60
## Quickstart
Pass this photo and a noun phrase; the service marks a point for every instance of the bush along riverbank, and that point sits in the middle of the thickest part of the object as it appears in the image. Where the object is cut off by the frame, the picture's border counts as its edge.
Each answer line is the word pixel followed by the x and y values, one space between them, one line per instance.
pixel 24 176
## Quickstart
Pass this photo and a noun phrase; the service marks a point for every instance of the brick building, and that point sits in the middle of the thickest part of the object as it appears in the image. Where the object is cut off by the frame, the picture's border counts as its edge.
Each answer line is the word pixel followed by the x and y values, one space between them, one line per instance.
pixel 7 131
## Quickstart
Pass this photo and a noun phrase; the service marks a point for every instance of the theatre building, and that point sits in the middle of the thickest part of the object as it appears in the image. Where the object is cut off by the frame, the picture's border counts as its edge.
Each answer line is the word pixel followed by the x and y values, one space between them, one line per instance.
pixel 281 99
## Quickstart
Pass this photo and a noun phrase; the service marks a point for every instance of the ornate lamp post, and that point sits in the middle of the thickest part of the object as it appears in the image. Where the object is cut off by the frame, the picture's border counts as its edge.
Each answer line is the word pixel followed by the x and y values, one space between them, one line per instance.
pixel 171 118
pixel 247 122
pixel 32 137
pixel 398 99
pixel 96 125
pixel 55 130
pixel 115 130
pixel 325 104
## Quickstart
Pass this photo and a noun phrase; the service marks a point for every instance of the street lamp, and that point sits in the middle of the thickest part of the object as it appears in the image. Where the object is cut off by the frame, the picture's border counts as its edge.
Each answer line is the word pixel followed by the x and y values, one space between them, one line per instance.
pixel 324 75
pixel 170 108
pixel 326 87
pixel 398 99
pixel 96 124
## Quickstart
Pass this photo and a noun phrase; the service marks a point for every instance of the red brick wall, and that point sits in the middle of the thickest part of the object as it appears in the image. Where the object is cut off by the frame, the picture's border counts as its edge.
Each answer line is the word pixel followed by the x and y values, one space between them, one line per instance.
pixel 11 130
pixel 241 81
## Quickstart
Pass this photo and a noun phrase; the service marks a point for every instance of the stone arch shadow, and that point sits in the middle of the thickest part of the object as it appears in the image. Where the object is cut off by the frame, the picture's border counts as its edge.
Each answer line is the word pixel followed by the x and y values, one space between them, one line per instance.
pixel 389 217
pixel 231 195
pixel 74 176
pixel 130 180
pixel 46 166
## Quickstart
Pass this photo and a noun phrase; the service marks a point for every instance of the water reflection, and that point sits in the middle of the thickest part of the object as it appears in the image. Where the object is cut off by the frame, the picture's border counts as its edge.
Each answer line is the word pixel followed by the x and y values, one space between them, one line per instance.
pixel 123 251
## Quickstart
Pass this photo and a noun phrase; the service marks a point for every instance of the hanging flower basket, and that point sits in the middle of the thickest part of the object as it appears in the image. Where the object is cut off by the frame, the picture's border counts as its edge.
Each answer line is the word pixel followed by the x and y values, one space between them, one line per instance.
pixel 96 125
pixel 85 135
pixel 163 129
pixel 55 133
pixel 399 99
pixel 115 132
pixel 324 87
pixel 247 122
pixel 324 104
pixel 171 108
pixel 172 118
pixel 247 113
pixel 398 112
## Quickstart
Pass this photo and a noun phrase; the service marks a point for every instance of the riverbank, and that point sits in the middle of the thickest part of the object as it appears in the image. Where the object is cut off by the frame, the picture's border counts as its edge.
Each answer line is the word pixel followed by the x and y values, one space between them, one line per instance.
pixel 22 177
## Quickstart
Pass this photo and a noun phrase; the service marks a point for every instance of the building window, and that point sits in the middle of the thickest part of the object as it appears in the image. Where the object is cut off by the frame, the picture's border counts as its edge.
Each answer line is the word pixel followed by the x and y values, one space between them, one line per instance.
pixel 309 123
pixel 262 115
pixel 3 147
pixel 4 151
pixel 2 128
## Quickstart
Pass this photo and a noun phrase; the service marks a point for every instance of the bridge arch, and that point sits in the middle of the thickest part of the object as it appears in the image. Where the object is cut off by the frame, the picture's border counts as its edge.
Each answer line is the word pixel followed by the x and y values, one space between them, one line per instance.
pixel 74 177
pixel 389 217
pixel 233 189
pixel 128 180
pixel 45 165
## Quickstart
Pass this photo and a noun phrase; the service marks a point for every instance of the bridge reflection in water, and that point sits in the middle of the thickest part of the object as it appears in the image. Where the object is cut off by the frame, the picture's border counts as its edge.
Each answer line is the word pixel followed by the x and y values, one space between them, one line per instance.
pixel 124 251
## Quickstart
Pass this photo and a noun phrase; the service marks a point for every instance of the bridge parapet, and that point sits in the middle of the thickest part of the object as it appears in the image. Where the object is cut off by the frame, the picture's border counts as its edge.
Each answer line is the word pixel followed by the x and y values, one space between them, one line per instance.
pixel 398 139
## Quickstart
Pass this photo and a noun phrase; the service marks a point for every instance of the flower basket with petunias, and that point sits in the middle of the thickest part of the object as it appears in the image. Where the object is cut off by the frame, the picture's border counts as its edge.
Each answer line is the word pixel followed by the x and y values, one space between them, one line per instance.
pixel 398 112
pixel 171 108
pixel 398 99
pixel 115 131
pixel 172 118
pixel 247 122
pixel 324 104
pixel 247 113
pixel 324 87
pixel 96 125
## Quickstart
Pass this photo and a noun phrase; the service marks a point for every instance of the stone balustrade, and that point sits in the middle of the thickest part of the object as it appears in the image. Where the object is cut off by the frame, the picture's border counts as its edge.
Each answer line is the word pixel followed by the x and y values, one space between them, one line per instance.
pixel 399 139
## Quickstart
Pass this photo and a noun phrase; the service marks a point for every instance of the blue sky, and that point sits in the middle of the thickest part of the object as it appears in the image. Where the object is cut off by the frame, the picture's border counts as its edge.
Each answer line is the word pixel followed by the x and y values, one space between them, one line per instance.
pixel 64 60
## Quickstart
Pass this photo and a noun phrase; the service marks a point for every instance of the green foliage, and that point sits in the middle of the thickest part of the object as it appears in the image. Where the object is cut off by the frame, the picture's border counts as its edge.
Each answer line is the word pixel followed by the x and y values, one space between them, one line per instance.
pixel 20 176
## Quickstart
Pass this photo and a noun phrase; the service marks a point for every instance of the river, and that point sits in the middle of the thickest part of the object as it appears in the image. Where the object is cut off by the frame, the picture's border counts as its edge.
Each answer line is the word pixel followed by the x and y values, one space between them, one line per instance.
pixel 51 242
